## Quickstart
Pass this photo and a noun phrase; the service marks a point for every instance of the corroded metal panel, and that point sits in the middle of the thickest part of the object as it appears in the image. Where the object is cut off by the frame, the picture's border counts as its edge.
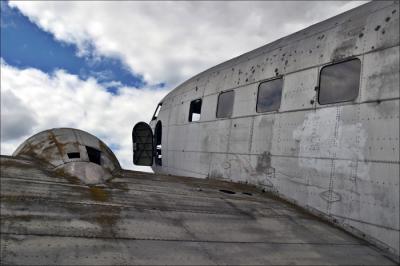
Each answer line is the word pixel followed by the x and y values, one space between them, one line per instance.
pixel 71 152
pixel 195 163
pixel 370 198
pixel 339 160
pixel 209 107
pixel 262 133
pixel 240 135
pixel 382 28
pixel 381 75
pixel 214 84
pixel 380 121
pixel 346 40
pixel 140 218
pixel 285 141
pixel 244 100
pixel 299 90
pixel 194 137
pixel 216 135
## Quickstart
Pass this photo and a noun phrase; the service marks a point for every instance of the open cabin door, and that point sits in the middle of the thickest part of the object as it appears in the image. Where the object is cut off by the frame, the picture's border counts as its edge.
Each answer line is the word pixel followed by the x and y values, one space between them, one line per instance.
pixel 143 149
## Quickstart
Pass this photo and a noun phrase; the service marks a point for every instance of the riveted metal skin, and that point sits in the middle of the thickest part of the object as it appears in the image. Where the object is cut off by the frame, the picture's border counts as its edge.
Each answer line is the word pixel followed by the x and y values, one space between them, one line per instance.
pixel 339 160
pixel 71 152
pixel 151 219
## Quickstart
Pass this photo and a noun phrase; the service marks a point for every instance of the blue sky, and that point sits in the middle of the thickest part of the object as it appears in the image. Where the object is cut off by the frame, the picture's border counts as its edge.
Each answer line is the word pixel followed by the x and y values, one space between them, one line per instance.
pixel 24 44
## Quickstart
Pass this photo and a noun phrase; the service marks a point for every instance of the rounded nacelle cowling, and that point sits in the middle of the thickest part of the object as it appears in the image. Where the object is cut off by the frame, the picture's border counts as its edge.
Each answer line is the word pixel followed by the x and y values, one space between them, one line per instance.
pixel 72 152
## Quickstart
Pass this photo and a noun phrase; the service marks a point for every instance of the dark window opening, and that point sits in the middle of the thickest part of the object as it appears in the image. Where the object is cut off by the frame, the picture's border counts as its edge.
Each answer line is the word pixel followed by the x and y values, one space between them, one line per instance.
pixel 225 104
pixel 73 155
pixel 157 111
pixel 195 110
pixel 269 95
pixel 158 138
pixel 94 155
pixel 339 82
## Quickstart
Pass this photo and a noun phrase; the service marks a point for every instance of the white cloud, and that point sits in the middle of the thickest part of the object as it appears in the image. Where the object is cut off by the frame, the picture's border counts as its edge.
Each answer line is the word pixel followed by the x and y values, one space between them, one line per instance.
pixel 33 101
pixel 171 41
pixel 16 118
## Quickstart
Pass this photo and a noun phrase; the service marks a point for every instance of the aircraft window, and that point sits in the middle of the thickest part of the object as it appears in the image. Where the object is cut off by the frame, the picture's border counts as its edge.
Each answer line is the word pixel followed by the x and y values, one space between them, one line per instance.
pixel 73 155
pixel 157 111
pixel 195 110
pixel 93 154
pixel 269 95
pixel 339 82
pixel 225 104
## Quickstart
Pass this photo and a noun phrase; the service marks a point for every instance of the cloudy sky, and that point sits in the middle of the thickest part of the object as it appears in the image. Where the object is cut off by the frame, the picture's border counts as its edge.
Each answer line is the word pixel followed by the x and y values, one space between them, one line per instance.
pixel 103 66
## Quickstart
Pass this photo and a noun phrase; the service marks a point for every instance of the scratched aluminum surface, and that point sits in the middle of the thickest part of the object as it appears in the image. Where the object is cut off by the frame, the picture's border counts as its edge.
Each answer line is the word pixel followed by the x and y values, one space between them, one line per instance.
pixel 340 161
pixel 54 147
pixel 141 218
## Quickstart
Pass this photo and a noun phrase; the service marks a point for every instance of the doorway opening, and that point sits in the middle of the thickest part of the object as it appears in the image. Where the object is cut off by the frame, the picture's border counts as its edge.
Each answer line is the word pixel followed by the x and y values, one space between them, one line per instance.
pixel 142 140
pixel 158 138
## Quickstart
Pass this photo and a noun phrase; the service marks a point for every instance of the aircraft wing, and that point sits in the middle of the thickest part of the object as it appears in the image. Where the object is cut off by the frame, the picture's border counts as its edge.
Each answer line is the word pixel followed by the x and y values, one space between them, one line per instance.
pixel 142 218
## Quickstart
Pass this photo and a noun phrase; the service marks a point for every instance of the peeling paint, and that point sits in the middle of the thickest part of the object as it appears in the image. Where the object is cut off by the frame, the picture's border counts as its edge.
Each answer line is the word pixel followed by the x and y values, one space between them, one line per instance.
pixel 324 135
pixel 52 147
pixel 98 194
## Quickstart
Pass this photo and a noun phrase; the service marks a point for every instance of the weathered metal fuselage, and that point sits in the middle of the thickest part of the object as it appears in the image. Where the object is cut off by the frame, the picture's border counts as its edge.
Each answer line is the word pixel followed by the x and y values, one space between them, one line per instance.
pixel 338 160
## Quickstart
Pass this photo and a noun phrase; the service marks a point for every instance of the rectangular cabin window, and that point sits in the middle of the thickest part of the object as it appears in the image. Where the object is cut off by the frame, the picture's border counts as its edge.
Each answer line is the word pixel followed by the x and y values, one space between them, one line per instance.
pixel 157 111
pixel 269 95
pixel 225 104
pixel 339 82
pixel 94 155
pixel 73 155
pixel 195 110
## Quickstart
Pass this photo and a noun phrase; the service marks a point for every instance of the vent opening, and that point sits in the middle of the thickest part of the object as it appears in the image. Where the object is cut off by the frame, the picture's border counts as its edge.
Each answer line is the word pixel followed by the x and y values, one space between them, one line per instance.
pixel 94 155
pixel 247 193
pixel 73 155
pixel 227 191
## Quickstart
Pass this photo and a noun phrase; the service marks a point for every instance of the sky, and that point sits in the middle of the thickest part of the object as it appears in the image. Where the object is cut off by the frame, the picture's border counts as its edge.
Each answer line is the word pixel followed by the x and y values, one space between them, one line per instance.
pixel 103 66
